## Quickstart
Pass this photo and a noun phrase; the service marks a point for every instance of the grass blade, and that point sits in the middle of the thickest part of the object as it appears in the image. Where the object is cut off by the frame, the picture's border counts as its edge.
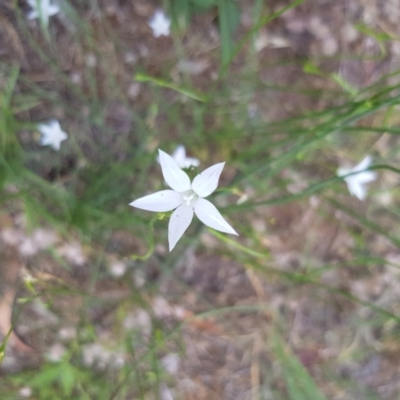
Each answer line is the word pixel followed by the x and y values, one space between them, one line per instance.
pixel 300 385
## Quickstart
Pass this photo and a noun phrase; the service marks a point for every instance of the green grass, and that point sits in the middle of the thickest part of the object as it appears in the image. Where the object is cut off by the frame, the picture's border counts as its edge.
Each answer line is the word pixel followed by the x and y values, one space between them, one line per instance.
pixel 84 190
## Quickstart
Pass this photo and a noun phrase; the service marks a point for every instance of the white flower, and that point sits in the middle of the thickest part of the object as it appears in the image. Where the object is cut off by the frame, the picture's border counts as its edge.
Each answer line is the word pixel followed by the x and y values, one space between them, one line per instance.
pixel 160 24
pixel 52 134
pixel 356 182
pixel 187 198
pixel 42 9
pixel 179 156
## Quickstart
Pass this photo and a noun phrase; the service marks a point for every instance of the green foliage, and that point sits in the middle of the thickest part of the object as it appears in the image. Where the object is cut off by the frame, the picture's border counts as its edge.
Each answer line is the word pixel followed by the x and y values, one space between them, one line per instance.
pixel 229 17
pixel 300 385
pixel 8 122
pixel 228 20
pixel 141 77
pixel 88 198
pixel 63 380
pixel 183 10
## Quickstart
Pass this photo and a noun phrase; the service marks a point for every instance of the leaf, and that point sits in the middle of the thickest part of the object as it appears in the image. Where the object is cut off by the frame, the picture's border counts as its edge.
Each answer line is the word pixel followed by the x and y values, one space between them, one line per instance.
pixel 10 86
pixel 180 13
pixel 9 145
pixel 250 34
pixel 299 383
pixel 229 18
pixel 67 378
pixel 310 68
pixel 142 77
pixel 48 375
pixel 380 37
pixel 346 86
pixel 204 4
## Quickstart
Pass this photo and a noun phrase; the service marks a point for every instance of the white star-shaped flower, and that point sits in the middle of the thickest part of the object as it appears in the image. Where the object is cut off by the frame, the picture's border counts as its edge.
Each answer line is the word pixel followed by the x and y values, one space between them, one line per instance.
pixel 52 134
pixel 356 182
pixel 186 198
pixel 160 24
pixel 43 10
pixel 179 156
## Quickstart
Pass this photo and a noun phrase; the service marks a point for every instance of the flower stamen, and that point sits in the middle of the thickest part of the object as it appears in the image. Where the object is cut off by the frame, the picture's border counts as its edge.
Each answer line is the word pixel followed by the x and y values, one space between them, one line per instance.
pixel 188 198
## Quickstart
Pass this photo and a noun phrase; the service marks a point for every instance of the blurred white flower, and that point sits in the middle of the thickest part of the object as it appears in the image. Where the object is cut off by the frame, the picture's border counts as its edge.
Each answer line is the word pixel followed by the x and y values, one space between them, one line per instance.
pixel 179 156
pixel 52 134
pixel 360 176
pixel 43 10
pixel 160 24
pixel 186 198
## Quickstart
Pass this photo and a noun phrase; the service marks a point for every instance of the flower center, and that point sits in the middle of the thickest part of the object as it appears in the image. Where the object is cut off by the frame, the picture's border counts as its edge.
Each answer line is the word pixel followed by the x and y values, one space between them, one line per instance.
pixel 189 198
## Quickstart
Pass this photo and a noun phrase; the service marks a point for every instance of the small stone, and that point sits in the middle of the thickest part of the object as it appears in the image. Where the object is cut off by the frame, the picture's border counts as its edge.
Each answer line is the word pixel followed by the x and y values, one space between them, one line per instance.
pixel 117 269
pixel 171 363
pixel 25 392
pixel 56 352
pixel 90 60
pixel 28 247
pixel 329 46
pixel 349 33
pixel 11 236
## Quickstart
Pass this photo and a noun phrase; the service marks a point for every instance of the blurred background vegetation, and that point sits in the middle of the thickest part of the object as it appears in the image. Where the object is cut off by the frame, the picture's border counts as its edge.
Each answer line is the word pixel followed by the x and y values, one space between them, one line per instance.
pixel 304 304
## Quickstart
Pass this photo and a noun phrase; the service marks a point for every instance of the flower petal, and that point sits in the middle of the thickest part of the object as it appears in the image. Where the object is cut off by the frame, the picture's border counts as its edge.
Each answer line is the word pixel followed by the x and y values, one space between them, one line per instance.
pixel 356 189
pixel 173 175
pixel 33 14
pixel 179 222
pixel 208 214
pixel 207 181
pixel 165 200
pixel 364 164
pixel 365 177
pixel 179 154
pixel 53 9
pixel 191 161
pixel 160 24
pixel 342 171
